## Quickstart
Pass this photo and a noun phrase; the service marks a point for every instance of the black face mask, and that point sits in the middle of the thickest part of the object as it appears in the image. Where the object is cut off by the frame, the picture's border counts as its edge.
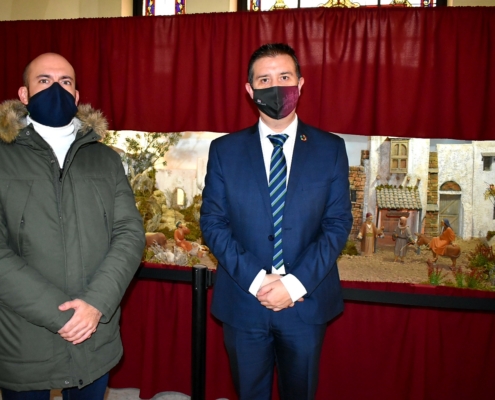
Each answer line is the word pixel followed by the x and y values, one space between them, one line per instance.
pixel 277 101
pixel 53 106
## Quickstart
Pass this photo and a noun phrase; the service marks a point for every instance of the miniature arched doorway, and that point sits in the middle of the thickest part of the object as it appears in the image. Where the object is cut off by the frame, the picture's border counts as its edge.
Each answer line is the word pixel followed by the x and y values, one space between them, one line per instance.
pixel 179 198
pixel 450 205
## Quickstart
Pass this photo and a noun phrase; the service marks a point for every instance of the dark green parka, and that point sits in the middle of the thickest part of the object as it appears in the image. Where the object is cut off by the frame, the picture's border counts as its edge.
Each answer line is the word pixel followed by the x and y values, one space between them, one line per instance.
pixel 66 232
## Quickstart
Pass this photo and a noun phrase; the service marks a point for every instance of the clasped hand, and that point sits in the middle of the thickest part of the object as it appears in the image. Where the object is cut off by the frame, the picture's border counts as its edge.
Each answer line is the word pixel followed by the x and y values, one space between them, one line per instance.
pixel 82 324
pixel 273 294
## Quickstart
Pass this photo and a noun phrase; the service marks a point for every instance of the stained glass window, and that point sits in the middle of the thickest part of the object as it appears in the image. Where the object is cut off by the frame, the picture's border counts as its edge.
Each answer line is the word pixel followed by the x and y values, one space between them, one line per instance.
pixel 254 5
pixel 164 7
pixel 180 6
pixel 149 7
pixel 267 5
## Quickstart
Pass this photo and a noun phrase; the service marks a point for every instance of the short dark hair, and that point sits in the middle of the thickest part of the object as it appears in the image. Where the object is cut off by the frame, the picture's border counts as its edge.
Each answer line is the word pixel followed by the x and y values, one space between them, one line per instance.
pixel 272 50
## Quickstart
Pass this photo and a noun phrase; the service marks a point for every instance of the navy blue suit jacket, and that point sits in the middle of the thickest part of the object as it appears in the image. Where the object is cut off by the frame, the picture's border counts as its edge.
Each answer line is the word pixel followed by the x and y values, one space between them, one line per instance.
pixel 236 223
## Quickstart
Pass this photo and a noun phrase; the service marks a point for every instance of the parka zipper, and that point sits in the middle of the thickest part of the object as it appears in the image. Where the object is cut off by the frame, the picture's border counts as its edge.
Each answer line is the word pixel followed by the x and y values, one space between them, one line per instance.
pixel 74 147
pixel 20 240
pixel 58 189
pixel 57 172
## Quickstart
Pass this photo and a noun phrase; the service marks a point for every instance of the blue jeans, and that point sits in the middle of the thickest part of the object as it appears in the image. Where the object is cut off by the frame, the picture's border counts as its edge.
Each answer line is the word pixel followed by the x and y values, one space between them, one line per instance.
pixel 94 391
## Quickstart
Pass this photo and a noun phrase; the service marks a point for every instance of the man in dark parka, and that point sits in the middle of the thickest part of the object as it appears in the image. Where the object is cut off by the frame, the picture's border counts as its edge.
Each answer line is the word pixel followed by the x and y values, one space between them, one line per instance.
pixel 71 240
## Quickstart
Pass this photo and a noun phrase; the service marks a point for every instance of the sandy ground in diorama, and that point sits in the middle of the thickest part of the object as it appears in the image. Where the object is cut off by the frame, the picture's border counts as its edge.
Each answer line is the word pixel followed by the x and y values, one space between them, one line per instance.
pixel 381 267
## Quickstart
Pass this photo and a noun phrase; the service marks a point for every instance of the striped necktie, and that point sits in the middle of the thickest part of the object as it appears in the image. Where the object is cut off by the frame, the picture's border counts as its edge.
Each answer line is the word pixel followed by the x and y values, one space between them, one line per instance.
pixel 278 188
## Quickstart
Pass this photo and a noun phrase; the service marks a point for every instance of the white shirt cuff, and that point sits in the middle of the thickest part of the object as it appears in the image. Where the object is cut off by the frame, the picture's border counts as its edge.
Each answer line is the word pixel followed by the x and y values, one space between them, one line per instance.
pixel 294 287
pixel 256 284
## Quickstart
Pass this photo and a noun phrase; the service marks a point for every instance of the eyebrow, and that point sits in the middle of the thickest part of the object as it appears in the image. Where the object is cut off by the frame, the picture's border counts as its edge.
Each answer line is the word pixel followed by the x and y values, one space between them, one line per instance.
pixel 50 76
pixel 267 75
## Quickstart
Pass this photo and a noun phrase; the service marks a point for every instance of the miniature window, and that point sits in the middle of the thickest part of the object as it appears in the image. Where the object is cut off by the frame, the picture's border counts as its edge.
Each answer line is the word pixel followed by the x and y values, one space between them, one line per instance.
pixel 487 163
pixel 353 195
pixel 399 153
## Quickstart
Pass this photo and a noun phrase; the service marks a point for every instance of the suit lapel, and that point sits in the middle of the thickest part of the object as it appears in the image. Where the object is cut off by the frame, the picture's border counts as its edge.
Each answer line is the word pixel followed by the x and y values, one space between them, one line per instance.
pixel 258 166
pixel 299 159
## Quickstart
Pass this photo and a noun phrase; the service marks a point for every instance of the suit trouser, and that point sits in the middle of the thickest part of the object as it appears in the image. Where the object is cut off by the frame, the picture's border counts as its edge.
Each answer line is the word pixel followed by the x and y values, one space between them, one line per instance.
pixel 285 341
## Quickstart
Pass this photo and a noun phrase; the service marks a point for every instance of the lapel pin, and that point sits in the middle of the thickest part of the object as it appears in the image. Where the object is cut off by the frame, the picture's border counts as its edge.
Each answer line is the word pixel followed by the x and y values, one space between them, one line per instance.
pixel 303 138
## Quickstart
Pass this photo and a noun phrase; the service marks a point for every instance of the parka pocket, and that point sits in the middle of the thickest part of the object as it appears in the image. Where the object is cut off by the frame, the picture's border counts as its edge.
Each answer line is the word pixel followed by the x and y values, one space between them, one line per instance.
pixel 103 202
pixel 15 203
pixel 21 341
pixel 95 217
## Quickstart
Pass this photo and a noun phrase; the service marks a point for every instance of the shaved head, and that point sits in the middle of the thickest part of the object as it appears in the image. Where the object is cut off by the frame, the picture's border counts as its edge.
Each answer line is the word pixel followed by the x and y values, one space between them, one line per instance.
pixel 43 71
pixel 45 58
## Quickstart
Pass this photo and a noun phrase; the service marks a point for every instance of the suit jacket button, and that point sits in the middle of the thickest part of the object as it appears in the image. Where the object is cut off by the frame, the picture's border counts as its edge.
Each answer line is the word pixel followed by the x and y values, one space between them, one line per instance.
pixel 270 238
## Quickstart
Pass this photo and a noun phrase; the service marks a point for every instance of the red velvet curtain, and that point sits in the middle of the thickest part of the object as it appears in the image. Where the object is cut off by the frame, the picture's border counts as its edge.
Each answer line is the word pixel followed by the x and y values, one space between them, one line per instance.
pixel 393 71
pixel 371 351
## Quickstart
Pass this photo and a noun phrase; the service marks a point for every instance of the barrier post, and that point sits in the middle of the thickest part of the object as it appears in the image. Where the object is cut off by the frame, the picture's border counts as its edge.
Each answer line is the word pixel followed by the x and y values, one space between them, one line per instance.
pixel 200 282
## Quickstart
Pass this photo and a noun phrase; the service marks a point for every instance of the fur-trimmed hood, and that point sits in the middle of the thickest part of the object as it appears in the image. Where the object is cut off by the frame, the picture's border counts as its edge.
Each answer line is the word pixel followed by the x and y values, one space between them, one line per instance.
pixel 13 118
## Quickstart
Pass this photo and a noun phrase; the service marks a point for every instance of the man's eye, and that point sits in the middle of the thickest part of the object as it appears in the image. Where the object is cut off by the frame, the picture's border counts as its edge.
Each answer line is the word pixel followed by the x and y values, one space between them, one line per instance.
pixel 66 83
pixel 43 80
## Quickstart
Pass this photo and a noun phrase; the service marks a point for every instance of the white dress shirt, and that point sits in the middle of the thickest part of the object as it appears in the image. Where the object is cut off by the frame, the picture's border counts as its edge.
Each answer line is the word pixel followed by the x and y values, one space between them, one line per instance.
pixel 292 284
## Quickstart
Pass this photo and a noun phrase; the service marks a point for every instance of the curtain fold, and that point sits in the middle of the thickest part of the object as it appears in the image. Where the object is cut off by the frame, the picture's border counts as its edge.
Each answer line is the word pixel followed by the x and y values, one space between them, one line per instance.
pixel 392 72
pixel 372 351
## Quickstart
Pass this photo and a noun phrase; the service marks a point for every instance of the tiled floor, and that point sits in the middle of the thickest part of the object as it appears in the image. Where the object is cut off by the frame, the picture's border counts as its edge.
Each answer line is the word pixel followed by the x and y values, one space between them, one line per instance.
pixel 128 394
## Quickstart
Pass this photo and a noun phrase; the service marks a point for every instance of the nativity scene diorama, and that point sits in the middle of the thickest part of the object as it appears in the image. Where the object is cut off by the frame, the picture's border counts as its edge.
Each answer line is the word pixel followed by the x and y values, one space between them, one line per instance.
pixel 168 205
pixel 423 212
pixel 431 205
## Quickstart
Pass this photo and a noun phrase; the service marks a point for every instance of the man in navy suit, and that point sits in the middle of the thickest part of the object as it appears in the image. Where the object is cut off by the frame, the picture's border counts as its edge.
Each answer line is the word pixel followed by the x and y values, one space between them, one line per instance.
pixel 276 312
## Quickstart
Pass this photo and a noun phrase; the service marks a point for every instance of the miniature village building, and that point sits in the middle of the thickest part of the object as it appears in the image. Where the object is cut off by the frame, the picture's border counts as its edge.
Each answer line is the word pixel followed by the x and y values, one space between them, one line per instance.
pixel 403 177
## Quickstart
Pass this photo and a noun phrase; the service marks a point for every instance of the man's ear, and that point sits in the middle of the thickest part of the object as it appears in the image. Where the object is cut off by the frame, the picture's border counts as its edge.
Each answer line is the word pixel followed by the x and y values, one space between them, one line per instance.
pixel 249 89
pixel 77 97
pixel 23 94
pixel 300 84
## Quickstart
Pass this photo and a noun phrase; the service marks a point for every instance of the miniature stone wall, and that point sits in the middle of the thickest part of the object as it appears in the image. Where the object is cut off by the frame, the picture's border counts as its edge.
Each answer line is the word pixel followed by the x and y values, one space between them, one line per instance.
pixel 431 217
pixel 431 224
pixel 357 181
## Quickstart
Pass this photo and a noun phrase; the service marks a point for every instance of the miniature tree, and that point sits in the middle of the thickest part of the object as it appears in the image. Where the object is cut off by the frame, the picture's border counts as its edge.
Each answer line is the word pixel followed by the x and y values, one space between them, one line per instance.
pixel 490 193
pixel 141 153
pixel 144 150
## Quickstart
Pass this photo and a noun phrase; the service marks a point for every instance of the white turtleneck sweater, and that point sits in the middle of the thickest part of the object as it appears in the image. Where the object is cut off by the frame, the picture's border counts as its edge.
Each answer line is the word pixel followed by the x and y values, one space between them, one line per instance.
pixel 59 139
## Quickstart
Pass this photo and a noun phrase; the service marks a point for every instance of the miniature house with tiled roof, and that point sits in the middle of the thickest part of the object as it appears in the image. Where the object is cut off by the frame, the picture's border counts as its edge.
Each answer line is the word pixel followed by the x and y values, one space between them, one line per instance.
pixel 404 177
